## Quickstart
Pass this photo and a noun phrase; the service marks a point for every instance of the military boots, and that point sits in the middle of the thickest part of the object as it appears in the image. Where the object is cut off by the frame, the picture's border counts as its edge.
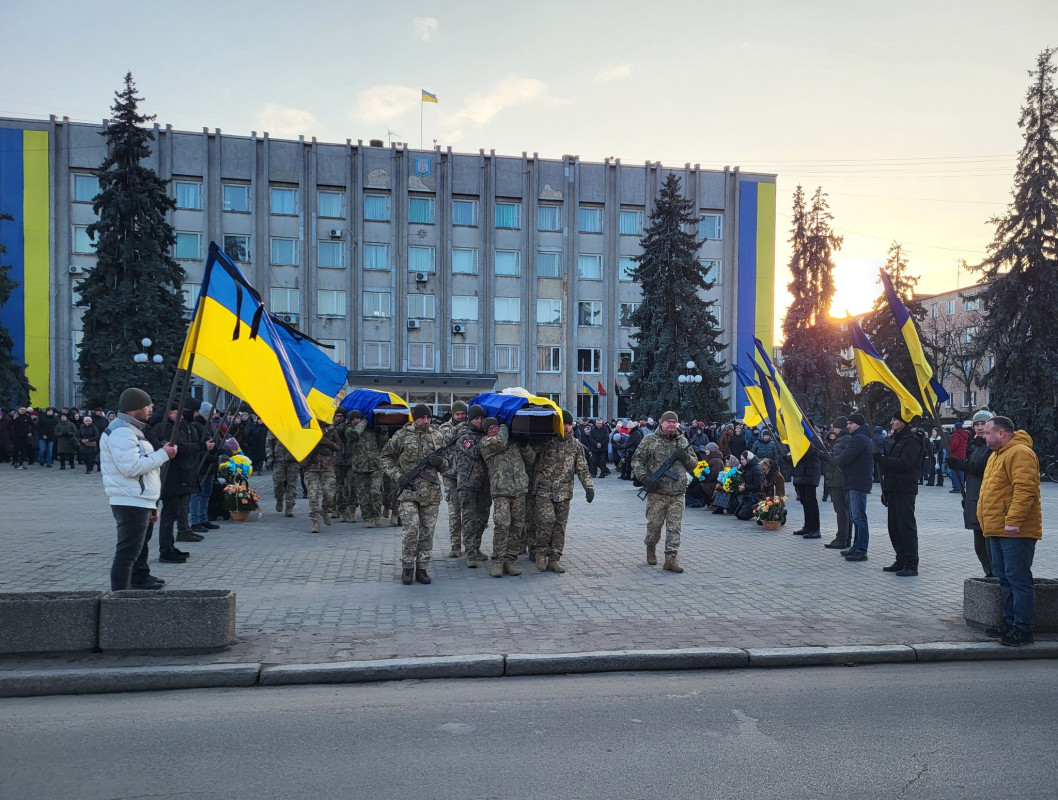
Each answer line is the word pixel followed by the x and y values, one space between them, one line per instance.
pixel 652 555
pixel 672 564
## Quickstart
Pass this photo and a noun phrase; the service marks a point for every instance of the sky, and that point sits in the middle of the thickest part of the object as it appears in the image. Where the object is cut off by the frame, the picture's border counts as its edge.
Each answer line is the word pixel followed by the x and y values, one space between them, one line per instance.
pixel 905 113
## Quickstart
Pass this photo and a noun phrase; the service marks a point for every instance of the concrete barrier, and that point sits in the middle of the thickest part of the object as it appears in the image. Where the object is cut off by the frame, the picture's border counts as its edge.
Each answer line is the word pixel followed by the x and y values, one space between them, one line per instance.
pixel 173 621
pixel 48 622
pixel 982 604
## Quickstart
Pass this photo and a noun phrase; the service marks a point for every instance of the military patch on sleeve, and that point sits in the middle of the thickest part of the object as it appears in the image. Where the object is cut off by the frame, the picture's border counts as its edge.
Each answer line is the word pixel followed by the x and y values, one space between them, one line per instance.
pixel 467 444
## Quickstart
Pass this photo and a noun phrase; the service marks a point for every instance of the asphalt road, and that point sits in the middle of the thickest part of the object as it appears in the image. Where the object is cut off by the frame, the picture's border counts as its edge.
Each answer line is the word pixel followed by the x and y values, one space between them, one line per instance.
pixel 952 730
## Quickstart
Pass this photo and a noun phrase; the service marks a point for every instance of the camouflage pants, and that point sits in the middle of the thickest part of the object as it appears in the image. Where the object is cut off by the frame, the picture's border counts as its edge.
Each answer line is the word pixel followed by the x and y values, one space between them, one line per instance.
pixel 341 489
pixel 473 517
pixel 529 531
pixel 418 520
pixel 508 520
pixel 551 517
pixel 285 482
pixel 455 528
pixel 320 484
pixel 367 486
pixel 667 510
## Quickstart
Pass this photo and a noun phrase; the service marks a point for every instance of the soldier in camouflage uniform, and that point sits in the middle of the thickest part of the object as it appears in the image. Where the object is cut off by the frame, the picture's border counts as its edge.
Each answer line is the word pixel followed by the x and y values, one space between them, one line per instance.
pixel 665 497
pixel 365 467
pixel 508 482
pixel 318 467
pixel 472 480
pixel 284 474
pixel 552 490
pixel 341 470
pixel 448 432
pixel 420 501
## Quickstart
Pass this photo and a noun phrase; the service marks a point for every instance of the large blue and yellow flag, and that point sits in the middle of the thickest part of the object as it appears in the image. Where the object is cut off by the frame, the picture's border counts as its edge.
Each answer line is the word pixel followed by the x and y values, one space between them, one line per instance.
pixel 933 393
pixel 319 378
pixel 871 369
pixel 795 430
pixel 233 344
pixel 367 400
pixel 754 413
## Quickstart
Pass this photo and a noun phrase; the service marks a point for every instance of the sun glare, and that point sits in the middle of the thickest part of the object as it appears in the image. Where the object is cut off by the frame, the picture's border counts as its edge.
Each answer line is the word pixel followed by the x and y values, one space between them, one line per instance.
pixel 856 286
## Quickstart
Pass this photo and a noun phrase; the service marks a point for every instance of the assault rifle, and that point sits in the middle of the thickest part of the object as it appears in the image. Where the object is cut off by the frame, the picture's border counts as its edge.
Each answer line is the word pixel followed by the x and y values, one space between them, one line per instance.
pixel 408 478
pixel 660 473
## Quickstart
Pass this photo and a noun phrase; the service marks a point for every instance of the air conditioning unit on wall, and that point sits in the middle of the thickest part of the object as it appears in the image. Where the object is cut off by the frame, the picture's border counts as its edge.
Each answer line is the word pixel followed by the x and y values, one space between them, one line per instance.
pixel 288 318
pixel 75 269
pixel 336 233
pixel 457 328
pixel 422 277
pixel 413 324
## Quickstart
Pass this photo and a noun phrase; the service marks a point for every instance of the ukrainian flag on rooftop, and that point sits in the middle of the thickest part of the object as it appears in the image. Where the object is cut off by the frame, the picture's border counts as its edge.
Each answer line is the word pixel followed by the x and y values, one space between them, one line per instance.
pixel 428 98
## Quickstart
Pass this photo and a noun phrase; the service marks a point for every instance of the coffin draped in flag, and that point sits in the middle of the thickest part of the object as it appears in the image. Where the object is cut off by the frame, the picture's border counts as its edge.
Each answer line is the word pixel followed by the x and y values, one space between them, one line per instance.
pixel 933 393
pixel 319 378
pixel 367 400
pixel 233 344
pixel 870 368
pixel 506 404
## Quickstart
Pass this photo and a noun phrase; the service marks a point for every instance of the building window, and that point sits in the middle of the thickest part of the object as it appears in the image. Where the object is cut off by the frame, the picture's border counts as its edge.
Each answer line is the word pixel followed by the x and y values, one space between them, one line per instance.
pixel 549 359
pixel 548 264
pixel 421 210
pixel 711 270
pixel 332 254
pixel 188 246
pixel 548 218
pixel 588 405
pixel 237 248
pixel 376 305
pixel 330 303
pixel 718 312
pixel 710 226
pixel 82 242
pixel 284 201
pixel 950 402
pixel 376 256
pixel 464 261
pixel 589 314
pixel 508 215
pixel 589 219
pixel 285 301
pixel 465 357
pixel 190 293
pixel 334 349
pixel 625 359
pixel 949 307
pixel 969 334
pixel 631 223
pixel 626 267
pixel 589 267
pixel 933 310
pixel 625 312
pixel 971 304
pixel 508 262
pixel 85 188
pixel 284 252
pixel 969 399
pixel 589 360
pixel 508 309
pixel 332 204
pixel 464 213
pixel 507 358
pixel 465 308
pixel 236 198
pixel 421 259
pixel 548 312
pixel 376 355
pixel 189 195
pixel 376 207
pixel 420 355
pixel 421 306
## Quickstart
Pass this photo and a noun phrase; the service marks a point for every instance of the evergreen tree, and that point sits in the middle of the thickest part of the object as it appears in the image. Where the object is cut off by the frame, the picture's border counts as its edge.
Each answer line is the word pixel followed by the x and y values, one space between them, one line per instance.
pixel 14 387
pixel 812 341
pixel 675 322
pixel 1022 270
pixel 135 289
pixel 880 327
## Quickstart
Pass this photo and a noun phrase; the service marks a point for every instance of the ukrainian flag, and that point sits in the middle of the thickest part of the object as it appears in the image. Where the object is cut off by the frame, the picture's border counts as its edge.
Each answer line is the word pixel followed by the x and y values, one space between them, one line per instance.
pixel 319 378
pixel 367 400
pixel 932 391
pixel 871 369
pixel 233 344
pixel 587 388
pixel 428 98
pixel 798 431
pixel 752 416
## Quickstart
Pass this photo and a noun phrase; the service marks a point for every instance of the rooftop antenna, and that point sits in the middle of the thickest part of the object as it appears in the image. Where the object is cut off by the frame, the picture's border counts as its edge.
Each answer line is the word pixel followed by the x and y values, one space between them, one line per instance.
pixel 391 134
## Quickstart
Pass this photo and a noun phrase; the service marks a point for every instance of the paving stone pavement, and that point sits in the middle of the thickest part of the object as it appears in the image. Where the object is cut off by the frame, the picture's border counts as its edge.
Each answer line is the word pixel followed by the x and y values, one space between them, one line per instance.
pixel 336 595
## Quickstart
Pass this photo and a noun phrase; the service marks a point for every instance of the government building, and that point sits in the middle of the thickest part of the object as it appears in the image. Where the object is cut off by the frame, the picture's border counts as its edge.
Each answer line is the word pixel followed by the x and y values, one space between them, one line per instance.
pixel 433 274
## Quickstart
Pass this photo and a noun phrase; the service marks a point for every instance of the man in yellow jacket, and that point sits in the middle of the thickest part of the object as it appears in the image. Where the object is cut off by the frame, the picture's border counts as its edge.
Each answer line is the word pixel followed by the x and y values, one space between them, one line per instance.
pixel 1011 518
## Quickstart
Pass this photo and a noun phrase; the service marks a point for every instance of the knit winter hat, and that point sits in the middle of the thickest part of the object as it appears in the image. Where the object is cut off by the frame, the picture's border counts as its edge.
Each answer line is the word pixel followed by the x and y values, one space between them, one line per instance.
pixel 856 419
pixel 669 415
pixel 421 410
pixel 354 413
pixel 489 422
pixel 133 399
pixel 475 411
pixel 205 410
pixel 983 416
pixel 840 422
pixel 458 405
pixel 567 417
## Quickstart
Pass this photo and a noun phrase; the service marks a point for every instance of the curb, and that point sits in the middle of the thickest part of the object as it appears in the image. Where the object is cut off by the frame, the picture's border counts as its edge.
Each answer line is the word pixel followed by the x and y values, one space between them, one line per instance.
pixel 40 682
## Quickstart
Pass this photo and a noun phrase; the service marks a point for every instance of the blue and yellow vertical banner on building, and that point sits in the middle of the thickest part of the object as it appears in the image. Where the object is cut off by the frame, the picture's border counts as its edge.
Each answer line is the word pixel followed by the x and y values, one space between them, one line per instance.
pixel 24 196
pixel 756 274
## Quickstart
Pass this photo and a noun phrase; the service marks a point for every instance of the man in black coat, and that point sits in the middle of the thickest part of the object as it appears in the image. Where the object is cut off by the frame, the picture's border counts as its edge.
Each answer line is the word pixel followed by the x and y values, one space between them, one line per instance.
pixel 805 480
pixel 181 481
pixel 901 465
pixel 857 467
pixel 598 440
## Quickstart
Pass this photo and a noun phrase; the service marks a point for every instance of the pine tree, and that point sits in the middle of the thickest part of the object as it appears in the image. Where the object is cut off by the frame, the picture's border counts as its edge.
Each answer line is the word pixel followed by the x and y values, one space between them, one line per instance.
pixel 14 387
pixel 675 322
pixel 135 289
pixel 1022 269
pixel 813 342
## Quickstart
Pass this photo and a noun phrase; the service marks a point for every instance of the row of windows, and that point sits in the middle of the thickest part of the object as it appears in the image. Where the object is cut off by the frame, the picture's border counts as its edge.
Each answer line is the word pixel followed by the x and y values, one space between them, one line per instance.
pixel 330 204
pixel 506 358
pixel 969 304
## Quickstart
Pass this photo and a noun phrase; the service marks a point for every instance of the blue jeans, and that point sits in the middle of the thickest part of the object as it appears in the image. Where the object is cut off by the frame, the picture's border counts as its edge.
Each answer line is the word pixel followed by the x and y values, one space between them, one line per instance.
pixel 199 507
pixel 858 514
pixel 1012 564
pixel 956 478
pixel 45 450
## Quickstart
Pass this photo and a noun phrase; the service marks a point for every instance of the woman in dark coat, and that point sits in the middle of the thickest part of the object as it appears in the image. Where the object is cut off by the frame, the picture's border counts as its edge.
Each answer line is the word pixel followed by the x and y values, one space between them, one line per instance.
pixel 88 443
pixel 738 442
pixel 65 441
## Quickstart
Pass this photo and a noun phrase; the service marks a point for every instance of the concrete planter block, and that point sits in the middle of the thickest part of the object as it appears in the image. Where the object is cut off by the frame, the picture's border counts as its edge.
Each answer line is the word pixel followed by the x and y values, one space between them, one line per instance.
pixel 983 603
pixel 48 622
pixel 181 620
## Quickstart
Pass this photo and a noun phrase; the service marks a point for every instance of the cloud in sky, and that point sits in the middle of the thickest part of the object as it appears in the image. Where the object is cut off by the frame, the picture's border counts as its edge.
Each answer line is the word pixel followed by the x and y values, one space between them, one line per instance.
pixel 385 102
pixel 480 107
pixel 612 73
pixel 286 122
pixel 424 28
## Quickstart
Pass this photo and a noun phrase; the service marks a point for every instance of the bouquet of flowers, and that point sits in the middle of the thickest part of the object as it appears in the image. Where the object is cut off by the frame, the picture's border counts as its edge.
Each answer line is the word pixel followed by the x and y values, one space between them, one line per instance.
pixel 701 470
pixel 730 479
pixel 238 496
pixel 772 509
pixel 237 467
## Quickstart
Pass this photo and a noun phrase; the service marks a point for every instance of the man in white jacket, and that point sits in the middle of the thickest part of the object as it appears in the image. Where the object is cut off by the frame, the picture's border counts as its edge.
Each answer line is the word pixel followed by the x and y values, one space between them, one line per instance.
pixel 131 478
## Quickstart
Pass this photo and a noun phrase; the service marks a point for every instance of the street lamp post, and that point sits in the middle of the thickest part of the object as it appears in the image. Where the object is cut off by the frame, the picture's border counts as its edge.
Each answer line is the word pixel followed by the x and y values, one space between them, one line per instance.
pixel 689 377
pixel 144 357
